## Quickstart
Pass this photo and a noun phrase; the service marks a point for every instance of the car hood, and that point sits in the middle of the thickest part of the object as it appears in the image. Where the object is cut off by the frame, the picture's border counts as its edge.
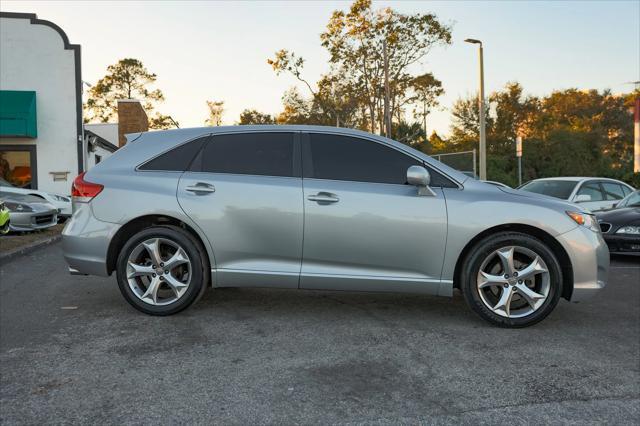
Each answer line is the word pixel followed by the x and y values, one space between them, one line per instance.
pixel 546 199
pixel 621 216
pixel 37 204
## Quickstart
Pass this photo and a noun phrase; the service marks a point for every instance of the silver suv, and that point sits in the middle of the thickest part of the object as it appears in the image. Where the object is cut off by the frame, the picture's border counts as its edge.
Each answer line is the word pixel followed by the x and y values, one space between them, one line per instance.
pixel 176 212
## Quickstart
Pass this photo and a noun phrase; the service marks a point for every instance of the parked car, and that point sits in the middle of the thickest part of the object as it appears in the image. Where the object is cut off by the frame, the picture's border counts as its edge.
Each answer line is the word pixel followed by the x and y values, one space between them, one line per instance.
pixel 4 218
pixel 493 182
pixel 591 193
pixel 61 202
pixel 621 225
pixel 174 212
pixel 29 213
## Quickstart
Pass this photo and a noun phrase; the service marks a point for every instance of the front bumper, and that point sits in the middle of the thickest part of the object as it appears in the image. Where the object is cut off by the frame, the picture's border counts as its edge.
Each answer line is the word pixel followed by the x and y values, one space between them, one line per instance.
pixel 589 258
pixel 32 221
pixel 623 244
pixel 85 242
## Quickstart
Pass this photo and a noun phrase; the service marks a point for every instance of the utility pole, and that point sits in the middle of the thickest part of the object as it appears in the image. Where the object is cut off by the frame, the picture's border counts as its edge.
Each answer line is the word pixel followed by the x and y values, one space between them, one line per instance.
pixel 483 136
pixel 519 155
pixel 387 115
pixel 636 136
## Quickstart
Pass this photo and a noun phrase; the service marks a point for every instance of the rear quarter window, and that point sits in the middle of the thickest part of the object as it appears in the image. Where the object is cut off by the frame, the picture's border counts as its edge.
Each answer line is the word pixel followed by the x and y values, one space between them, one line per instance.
pixel 177 159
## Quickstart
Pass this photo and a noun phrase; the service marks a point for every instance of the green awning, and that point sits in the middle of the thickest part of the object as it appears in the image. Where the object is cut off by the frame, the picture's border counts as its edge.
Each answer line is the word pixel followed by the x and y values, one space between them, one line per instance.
pixel 18 114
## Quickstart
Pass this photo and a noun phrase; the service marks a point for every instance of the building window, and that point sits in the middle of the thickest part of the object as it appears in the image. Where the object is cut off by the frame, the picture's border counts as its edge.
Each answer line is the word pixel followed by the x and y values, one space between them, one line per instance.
pixel 98 158
pixel 18 165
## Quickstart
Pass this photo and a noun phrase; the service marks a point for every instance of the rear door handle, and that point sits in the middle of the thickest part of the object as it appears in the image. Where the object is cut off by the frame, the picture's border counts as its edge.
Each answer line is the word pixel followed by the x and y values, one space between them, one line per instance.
pixel 201 188
pixel 324 198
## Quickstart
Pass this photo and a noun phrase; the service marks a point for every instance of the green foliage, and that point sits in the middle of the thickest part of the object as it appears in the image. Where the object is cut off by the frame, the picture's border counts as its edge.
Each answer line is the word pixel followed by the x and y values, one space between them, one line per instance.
pixel 126 79
pixel 570 132
pixel 251 116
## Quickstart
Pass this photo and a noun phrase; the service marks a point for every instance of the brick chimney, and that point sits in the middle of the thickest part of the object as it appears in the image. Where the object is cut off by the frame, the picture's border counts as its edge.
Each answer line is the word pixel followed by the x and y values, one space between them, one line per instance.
pixel 131 119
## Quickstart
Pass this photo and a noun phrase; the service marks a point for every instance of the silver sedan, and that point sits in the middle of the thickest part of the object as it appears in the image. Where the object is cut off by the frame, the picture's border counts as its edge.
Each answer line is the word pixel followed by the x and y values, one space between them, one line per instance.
pixel 305 207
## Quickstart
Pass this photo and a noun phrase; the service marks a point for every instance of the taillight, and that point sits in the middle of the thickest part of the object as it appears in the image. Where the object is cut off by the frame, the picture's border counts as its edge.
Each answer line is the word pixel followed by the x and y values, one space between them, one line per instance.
pixel 83 191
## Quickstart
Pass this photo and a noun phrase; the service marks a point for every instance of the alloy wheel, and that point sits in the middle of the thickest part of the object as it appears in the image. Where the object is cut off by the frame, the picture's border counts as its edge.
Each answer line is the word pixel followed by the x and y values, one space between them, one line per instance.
pixel 513 281
pixel 158 271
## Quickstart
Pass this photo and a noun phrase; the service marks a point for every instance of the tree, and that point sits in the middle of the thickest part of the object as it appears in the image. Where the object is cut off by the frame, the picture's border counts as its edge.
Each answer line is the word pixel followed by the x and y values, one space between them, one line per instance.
pixel 355 41
pixel 408 133
pixel 126 79
pixel 426 90
pixel 251 116
pixel 216 110
pixel 568 132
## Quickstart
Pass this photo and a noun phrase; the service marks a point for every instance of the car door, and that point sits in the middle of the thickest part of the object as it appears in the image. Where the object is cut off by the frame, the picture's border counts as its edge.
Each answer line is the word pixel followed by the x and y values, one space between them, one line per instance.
pixel 597 200
pixel 244 190
pixel 365 229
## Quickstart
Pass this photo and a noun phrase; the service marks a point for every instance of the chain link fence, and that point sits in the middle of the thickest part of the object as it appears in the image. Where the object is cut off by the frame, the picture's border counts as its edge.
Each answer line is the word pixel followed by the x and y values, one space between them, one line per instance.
pixel 464 161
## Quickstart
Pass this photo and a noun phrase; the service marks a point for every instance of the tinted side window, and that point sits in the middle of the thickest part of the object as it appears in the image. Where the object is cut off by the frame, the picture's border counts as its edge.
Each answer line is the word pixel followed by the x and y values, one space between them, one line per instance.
pixel 613 191
pixel 177 159
pixel 592 189
pixel 347 158
pixel 265 154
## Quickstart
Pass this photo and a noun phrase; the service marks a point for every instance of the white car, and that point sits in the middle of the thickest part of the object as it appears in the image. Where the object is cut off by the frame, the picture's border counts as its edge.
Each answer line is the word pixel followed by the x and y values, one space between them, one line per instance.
pixel 591 193
pixel 61 202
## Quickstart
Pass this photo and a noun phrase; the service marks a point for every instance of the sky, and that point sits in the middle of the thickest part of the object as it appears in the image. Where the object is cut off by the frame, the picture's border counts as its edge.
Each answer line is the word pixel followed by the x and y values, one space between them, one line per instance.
pixel 218 50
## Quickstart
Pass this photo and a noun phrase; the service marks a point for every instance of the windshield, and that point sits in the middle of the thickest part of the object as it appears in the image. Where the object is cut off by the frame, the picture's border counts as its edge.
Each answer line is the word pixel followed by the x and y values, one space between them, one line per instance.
pixel 4 183
pixel 631 200
pixel 554 188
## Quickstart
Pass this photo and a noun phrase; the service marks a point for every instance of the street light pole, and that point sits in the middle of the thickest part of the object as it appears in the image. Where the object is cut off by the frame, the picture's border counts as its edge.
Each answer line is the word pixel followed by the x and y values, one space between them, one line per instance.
pixel 481 105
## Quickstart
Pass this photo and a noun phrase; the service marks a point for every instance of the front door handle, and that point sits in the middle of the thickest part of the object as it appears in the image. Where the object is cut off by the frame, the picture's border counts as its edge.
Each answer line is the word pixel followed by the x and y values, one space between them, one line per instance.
pixel 201 188
pixel 324 198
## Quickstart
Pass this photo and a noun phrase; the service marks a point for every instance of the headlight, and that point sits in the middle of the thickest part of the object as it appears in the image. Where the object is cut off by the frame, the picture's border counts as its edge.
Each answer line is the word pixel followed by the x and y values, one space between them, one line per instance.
pixel 60 198
pixel 17 207
pixel 629 230
pixel 585 219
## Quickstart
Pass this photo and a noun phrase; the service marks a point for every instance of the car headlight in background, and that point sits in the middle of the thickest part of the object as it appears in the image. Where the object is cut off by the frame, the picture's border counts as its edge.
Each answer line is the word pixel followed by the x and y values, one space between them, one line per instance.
pixel 60 198
pixel 585 219
pixel 17 207
pixel 629 230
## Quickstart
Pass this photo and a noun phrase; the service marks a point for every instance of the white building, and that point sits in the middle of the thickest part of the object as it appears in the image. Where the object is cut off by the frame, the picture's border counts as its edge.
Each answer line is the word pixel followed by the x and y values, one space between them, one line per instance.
pixel 43 143
pixel 40 104
pixel 101 140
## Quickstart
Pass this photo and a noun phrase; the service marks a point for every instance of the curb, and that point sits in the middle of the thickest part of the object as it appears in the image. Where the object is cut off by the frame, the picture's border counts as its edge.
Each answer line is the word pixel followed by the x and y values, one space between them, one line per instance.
pixel 7 257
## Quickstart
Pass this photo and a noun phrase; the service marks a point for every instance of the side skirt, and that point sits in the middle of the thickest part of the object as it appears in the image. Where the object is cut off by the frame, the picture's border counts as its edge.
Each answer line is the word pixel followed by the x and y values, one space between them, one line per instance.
pixel 246 278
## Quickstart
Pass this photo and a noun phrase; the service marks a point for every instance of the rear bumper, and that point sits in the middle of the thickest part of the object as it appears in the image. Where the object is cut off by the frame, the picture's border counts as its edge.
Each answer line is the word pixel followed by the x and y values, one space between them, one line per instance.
pixel 85 242
pixel 589 257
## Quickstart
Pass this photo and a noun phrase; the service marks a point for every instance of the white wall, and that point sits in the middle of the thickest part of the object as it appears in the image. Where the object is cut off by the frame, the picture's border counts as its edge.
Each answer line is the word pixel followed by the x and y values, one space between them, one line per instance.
pixel 33 57
pixel 91 158
pixel 107 131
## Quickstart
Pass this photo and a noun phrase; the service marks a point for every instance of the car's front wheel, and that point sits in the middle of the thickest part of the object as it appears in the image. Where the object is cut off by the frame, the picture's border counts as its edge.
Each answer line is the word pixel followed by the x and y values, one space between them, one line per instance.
pixel 511 279
pixel 162 270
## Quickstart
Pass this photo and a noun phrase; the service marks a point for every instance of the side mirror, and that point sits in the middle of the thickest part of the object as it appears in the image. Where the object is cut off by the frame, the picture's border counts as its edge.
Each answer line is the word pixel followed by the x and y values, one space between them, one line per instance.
pixel 420 177
pixel 582 198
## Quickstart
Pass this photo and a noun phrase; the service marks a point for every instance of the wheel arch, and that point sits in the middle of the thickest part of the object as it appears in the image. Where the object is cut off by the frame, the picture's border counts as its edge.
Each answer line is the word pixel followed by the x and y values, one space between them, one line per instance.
pixel 142 222
pixel 554 245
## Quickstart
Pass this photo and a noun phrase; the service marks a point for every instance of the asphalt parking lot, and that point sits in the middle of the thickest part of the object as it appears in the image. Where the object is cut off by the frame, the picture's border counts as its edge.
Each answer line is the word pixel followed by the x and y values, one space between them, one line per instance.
pixel 73 351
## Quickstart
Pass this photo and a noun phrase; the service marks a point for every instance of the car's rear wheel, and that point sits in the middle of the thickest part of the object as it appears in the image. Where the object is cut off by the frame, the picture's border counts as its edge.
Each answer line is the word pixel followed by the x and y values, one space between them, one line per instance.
pixel 162 270
pixel 511 279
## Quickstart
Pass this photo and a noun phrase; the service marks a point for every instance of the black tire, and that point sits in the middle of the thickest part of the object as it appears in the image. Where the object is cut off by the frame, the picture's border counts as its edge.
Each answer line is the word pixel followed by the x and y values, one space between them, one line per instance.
pixel 483 249
pixel 200 269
